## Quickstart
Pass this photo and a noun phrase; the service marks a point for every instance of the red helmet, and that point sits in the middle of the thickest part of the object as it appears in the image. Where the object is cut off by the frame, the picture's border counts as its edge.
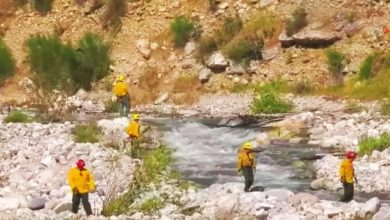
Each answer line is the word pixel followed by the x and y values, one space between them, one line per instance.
pixel 80 164
pixel 350 154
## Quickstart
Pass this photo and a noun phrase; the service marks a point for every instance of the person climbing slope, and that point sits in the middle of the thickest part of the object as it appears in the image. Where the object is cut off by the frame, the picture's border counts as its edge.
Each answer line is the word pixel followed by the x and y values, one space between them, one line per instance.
pixel 347 176
pixel 122 93
pixel 246 163
pixel 81 182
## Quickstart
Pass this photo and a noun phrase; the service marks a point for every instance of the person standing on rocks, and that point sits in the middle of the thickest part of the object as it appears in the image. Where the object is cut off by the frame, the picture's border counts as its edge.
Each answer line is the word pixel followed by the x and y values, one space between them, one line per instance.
pixel 121 91
pixel 81 182
pixel 133 129
pixel 347 176
pixel 246 163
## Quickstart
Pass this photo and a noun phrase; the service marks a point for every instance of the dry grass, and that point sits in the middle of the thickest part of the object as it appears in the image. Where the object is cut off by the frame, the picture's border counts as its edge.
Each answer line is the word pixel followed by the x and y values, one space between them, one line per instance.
pixel 186 90
pixel 149 80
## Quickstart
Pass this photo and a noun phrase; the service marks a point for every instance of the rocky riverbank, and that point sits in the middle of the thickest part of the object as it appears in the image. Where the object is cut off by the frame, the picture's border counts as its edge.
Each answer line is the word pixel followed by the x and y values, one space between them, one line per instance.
pixel 34 162
pixel 40 155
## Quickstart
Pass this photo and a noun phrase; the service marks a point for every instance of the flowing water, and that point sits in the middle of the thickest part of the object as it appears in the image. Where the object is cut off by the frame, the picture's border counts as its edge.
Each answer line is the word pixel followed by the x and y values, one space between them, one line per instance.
pixel 207 153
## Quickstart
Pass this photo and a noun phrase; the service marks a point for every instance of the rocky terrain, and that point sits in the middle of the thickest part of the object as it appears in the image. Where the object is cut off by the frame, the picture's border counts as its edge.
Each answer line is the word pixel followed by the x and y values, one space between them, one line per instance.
pixel 35 159
pixel 40 164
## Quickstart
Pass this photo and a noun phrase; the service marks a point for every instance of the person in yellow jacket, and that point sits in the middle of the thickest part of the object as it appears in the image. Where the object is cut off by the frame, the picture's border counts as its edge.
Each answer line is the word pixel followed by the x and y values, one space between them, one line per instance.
pixel 347 176
pixel 122 93
pixel 81 182
pixel 246 163
pixel 133 129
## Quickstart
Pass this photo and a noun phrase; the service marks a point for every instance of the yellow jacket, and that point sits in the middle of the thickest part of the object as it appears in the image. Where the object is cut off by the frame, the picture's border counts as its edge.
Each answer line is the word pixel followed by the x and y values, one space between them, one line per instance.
pixel 133 129
pixel 246 159
pixel 120 89
pixel 346 171
pixel 81 179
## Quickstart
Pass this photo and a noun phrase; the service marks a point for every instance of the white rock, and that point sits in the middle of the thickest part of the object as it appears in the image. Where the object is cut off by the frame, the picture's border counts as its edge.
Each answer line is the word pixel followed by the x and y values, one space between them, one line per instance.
pixel 300 198
pixel 217 62
pixel 279 194
pixel 161 99
pixel 331 212
pixel 143 46
pixel 48 161
pixel 189 48
pixel 383 214
pixel 369 208
pixel 154 45
pixel 204 75
pixel 37 203
pixel 8 203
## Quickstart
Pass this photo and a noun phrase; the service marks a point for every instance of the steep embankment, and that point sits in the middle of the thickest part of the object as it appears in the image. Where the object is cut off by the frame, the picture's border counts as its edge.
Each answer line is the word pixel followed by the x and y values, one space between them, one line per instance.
pixel 144 43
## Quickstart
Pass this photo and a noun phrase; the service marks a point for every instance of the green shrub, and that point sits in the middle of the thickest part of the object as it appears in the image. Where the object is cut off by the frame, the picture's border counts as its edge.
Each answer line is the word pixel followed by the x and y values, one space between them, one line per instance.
pixel 86 133
pixel 93 61
pixel 59 66
pixel 154 162
pixel 52 61
pixel 369 144
pixel 243 50
pixel 115 10
pixel 366 71
pixel 17 117
pixel 269 101
pixel 42 6
pixel 206 46
pixel 336 65
pixel 151 205
pixel 7 66
pixel 297 22
pixel 182 29
pixel 385 108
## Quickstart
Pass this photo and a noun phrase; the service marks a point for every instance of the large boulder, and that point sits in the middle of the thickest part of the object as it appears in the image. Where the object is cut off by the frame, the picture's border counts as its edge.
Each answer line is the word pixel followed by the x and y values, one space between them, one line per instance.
pixel 37 203
pixel 369 208
pixel 320 183
pixel 315 38
pixel 204 75
pixel 217 62
pixel 285 40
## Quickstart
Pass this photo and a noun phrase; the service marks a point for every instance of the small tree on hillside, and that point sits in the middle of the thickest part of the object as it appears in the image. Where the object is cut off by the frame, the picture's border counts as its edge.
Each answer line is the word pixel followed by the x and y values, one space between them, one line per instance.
pixel 336 65
pixel 6 62
pixel 93 61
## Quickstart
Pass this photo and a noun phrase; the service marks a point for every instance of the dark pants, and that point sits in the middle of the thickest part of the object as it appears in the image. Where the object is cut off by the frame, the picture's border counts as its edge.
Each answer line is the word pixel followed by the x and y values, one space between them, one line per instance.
pixel 76 202
pixel 348 192
pixel 125 105
pixel 248 175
